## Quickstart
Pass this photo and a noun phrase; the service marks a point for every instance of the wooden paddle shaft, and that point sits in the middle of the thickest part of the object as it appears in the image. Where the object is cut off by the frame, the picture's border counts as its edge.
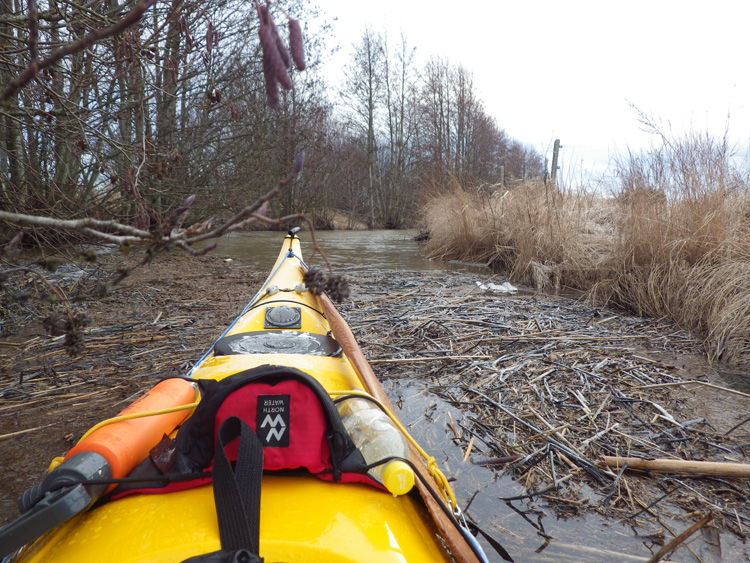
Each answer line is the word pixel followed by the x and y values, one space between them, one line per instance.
pixel 344 336
pixel 710 468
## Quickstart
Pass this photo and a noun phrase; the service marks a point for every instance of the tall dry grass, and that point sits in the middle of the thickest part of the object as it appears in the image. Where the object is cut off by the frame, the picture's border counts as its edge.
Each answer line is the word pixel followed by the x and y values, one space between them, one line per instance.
pixel 672 239
pixel 461 224
pixel 683 250
pixel 537 233
pixel 680 201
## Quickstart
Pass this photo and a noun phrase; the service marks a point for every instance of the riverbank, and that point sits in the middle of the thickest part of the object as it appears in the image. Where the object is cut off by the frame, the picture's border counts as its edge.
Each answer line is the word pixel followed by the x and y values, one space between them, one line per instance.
pixel 670 239
pixel 449 355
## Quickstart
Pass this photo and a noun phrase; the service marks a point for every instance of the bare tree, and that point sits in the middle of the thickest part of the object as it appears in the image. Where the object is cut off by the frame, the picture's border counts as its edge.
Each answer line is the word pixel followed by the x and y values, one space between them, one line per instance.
pixel 437 118
pixel 459 139
pixel 523 161
pixel 102 106
pixel 396 198
pixel 363 92
pixel 122 114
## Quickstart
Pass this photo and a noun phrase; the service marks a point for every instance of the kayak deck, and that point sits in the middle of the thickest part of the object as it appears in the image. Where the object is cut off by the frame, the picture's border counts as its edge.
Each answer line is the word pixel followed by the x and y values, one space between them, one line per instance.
pixel 302 519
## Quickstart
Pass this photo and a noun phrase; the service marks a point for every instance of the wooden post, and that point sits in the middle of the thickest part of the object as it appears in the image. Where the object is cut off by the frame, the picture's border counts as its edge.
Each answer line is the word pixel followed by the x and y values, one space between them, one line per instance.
pixel 555 153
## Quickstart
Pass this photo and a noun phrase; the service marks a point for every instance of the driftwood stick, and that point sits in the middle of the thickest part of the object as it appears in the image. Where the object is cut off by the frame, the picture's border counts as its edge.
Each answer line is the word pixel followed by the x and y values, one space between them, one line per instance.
pixel 686 467
pixel 427 359
pixel 694 382
pixel 26 431
pixel 553 430
pixel 598 435
pixel 489 462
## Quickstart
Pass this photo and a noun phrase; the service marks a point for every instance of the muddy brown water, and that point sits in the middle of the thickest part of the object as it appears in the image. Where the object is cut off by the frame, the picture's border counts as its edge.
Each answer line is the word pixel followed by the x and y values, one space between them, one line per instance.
pixel 391 250
pixel 520 525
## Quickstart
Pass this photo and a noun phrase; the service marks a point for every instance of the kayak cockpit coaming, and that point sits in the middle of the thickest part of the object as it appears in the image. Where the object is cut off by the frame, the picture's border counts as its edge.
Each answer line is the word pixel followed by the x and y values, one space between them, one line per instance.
pixel 334 373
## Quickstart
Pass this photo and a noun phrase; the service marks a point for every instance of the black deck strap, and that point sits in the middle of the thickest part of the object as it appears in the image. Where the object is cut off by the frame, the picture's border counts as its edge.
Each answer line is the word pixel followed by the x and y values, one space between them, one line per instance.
pixel 237 490
pixel 496 545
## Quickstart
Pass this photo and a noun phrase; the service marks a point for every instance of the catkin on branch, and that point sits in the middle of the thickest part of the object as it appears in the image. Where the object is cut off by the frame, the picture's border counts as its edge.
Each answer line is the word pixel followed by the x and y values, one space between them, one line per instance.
pixel 295 44
pixel 280 46
pixel 272 85
pixel 263 15
pixel 299 163
pixel 273 64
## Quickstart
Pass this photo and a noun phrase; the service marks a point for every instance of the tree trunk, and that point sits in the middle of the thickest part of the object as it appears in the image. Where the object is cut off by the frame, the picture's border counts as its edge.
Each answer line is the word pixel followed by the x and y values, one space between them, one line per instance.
pixel 11 157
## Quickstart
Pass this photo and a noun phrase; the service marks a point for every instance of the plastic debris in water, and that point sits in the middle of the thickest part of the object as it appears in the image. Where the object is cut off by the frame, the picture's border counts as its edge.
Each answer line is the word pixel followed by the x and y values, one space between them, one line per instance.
pixel 505 288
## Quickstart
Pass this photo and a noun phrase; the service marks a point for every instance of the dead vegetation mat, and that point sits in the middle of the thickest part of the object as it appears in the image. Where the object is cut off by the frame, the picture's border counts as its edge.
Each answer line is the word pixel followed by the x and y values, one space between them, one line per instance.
pixel 547 385
pixel 152 325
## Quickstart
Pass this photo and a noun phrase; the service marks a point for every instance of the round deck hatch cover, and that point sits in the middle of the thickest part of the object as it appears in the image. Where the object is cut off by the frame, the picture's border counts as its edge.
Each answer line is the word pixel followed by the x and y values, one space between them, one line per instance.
pixel 283 316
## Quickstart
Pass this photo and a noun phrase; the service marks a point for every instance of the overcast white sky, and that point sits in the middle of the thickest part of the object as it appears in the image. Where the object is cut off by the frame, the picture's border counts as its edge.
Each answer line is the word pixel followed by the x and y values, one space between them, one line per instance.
pixel 568 69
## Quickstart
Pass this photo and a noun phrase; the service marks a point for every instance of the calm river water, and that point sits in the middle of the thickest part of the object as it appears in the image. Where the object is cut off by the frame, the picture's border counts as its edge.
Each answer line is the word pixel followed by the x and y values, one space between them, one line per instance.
pixel 387 250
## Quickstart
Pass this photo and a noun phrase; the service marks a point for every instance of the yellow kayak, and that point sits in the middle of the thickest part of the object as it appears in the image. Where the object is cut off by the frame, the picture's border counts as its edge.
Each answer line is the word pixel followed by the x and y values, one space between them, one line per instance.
pixel 261 453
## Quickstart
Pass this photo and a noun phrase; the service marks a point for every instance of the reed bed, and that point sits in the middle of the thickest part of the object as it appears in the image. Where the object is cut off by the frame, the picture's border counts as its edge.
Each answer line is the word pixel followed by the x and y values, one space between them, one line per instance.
pixel 670 239
pixel 536 233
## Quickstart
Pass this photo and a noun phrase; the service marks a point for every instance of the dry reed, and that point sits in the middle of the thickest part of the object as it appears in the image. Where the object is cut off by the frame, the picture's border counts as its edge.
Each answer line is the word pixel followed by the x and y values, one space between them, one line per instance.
pixel 672 241
pixel 538 233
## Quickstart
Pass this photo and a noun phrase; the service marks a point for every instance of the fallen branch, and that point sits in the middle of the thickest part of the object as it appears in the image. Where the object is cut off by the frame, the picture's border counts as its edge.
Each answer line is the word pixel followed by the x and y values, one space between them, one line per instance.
pixel 694 382
pixel 427 359
pixel 686 467
pixel 26 431
pixel 123 235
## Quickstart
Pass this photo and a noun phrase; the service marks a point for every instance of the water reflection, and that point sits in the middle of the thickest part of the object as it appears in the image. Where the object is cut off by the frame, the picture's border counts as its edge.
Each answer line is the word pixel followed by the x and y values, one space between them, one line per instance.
pixel 532 530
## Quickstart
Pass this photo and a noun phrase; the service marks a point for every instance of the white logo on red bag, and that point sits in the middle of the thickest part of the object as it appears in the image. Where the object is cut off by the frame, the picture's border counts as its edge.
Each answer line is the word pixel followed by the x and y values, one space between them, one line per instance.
pixel 272 420
pixel 274 432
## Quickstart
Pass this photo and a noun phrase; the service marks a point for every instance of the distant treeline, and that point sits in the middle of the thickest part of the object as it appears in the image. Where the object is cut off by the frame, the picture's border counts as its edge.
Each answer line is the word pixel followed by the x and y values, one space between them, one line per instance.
pixel 130 125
